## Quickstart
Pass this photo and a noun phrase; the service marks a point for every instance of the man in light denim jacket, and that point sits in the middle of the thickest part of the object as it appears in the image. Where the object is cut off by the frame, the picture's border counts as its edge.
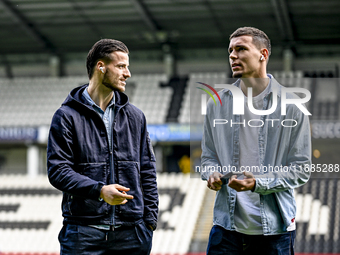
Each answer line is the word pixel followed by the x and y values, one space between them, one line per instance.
pixel 254 213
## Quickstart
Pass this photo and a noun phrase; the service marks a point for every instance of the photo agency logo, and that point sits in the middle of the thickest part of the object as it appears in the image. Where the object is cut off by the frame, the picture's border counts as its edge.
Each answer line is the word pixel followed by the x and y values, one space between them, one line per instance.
pixel 239 99
pixel 204 97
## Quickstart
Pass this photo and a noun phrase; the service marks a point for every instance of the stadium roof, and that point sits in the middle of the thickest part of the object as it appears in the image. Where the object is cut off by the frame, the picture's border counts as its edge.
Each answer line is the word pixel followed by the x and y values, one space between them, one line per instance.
pixel 309 27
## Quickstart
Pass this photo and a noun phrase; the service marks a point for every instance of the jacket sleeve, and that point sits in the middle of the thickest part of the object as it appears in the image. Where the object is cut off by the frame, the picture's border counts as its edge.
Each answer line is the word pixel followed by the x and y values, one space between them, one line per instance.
pixel 298 160
pixel 61 161
pixel 148 178
pixel 209 158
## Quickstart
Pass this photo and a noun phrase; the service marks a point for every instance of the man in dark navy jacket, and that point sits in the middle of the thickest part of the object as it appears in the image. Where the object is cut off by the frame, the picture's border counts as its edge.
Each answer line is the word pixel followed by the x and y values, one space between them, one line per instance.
pixel 100 155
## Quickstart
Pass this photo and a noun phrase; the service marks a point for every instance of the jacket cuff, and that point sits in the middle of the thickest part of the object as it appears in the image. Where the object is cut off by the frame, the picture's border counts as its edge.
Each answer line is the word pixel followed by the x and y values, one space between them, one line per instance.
pixel 253 189
pixel 257 186
pixel 152 223
pixel 95 192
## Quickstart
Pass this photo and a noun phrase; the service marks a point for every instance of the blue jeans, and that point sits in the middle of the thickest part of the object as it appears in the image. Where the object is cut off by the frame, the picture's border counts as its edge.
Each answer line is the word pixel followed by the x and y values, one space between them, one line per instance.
pixel 222 241
pixel 85 240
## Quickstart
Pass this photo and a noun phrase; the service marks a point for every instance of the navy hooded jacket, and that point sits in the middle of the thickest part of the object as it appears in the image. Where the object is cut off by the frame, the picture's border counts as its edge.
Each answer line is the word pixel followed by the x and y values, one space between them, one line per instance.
pixel 78 162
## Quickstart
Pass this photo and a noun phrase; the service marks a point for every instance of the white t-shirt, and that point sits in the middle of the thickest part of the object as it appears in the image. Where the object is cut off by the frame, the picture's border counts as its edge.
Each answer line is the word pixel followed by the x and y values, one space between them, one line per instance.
pixel 247 215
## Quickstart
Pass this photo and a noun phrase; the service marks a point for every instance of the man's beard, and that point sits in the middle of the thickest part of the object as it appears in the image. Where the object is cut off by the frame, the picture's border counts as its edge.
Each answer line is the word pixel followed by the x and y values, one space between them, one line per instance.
pixel 107 83
pixel 237 75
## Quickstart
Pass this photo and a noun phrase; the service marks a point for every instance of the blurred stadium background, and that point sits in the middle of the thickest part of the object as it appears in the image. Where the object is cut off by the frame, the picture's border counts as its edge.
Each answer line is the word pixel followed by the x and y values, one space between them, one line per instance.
pixel 173 44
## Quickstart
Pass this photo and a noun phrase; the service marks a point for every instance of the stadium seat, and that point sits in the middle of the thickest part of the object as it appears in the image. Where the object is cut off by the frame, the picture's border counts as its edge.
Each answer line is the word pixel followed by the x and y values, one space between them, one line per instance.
pixel 150 97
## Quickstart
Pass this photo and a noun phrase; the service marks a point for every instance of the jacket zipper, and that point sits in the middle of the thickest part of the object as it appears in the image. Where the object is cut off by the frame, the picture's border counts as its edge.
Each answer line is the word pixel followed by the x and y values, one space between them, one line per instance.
pixel 69 203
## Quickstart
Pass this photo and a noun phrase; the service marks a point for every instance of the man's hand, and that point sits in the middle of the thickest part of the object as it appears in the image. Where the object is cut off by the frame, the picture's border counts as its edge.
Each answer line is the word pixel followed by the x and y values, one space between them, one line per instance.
pixel 112 195
pixel 248 183
pixel 214 181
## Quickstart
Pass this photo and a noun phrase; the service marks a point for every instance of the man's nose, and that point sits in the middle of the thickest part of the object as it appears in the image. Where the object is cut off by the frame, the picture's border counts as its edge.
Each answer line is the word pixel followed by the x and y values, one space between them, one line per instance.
pixel 127 73
pixel 232 55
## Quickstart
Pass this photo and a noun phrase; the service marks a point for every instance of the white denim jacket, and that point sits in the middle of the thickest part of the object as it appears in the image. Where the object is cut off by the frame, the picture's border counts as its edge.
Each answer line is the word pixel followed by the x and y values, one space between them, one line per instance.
pixel 289 147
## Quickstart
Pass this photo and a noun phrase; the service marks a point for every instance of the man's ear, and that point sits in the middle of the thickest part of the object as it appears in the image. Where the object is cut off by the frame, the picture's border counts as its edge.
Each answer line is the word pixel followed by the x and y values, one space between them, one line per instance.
pixel 100 66
pixel 264 53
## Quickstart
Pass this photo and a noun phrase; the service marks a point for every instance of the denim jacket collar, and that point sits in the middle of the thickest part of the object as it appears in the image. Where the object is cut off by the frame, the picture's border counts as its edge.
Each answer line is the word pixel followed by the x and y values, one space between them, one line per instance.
pixel 273 84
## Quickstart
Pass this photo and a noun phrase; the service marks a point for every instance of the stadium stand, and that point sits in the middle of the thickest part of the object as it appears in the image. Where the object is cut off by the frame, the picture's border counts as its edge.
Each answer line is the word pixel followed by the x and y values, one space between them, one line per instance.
pixel 34 101
pixel 318 216
pixel 204 224
pixel 38 98
pixel 178 85
pixel 326 104
pixel 30 215
pixel 292 79
pixel 33 224
pixel 149 96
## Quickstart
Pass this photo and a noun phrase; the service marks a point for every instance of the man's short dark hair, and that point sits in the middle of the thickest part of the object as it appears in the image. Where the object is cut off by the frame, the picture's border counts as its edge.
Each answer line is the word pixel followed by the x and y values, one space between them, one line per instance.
pixel 260 39
pixel 101 50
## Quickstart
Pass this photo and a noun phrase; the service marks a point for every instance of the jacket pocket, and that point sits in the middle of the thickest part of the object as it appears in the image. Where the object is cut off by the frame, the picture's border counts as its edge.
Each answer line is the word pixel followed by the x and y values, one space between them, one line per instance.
pixel 85 207
pixel 95 171
pixel 129 176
